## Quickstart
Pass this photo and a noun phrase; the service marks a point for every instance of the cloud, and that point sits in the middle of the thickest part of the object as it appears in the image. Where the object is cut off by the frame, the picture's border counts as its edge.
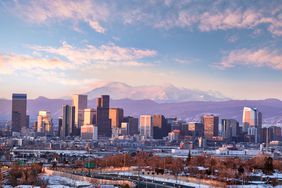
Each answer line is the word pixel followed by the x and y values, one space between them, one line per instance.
pixel 208 16
pixel 69 62
pixel 163 14
pixel 9 63
pixel 41 11
pixel 103 54
pixel 232 38
pixel 264 57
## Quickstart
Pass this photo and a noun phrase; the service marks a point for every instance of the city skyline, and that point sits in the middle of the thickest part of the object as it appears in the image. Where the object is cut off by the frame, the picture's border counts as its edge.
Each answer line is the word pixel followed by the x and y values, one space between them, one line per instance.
pixel 65 48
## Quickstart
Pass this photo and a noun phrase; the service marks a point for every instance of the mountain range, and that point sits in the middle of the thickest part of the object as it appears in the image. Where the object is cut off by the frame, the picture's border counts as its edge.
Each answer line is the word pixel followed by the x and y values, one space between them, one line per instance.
pixel 191 110
pixel 186 104
pixel 161 94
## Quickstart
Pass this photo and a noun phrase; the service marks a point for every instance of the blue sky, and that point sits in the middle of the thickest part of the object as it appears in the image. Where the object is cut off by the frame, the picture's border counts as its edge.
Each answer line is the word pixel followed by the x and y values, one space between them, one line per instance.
pixel 57 48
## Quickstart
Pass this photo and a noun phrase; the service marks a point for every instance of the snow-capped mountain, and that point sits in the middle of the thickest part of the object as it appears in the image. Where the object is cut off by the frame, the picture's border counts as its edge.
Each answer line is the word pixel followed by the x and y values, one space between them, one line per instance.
pixel 164 93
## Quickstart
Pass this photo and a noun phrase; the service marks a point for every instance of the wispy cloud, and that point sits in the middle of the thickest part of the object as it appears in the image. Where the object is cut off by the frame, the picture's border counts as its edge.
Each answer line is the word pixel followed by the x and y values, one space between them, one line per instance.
pixel 68 61
pixel 9 63
pixel 39 11
pixel 103 54
pixel 208 16
pixel 264 57
pixel 164 14
pixel 232 38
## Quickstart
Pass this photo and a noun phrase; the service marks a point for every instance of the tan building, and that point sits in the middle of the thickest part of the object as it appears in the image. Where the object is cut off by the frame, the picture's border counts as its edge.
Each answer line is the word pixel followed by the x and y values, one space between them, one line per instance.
pixel 89 116
pixel 116 116
pixel 146 126
pixel 80 103
pixel 210 123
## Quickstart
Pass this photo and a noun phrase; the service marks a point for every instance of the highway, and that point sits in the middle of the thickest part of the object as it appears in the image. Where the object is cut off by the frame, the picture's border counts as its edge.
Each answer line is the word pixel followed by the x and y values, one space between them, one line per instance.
pixel 139 181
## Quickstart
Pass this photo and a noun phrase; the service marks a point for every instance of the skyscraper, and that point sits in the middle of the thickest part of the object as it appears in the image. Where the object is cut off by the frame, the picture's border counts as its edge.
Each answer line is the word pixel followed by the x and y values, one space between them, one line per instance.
pixel 89 116
pixel 230 128
pixel 210 123
pixel 159 126
pixel 44 123
pixel 146 126
pixel 252 119
pixel 80 103
pixel 116 116
pixel 102 119
pixel 19 117
pixel 67 127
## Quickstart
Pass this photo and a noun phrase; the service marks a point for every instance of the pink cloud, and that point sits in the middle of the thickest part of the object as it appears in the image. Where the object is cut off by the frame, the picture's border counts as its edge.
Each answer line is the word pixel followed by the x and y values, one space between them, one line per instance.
pixel 93 54
pixel 258 58
pixel 207 16
pixel 40 11
pixel 10 63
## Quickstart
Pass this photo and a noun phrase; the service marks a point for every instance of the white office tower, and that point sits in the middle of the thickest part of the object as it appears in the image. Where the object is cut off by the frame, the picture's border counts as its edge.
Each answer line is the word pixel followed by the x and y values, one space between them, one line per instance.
pixel 252 118
pixel 89 131
pixel 44 123
pixel 146 127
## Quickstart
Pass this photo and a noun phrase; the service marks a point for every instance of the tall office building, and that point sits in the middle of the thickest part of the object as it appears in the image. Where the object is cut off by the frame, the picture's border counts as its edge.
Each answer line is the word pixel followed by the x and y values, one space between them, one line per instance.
pixel 102 119
pixel 159 126
pixel 44 123
pixel 19 117
pixel 230 128
pixel 210 123
pixel 146 126
pixel 116 116
pixel 89 116
pixel 80 103
pixel 68 127
pixel 60 124
pixel 252 119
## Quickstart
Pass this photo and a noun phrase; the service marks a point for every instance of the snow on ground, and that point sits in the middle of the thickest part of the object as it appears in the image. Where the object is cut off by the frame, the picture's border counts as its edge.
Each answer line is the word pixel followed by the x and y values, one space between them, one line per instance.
pixel 63 182
pixel 21 186
pixel 166 180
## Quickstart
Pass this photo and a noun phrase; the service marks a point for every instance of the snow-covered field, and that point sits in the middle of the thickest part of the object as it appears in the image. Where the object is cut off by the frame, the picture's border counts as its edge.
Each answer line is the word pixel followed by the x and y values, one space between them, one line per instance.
pixel 63 182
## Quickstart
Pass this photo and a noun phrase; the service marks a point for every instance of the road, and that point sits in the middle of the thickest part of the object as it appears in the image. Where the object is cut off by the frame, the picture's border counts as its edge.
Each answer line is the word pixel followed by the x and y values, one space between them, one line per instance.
pixel 139 181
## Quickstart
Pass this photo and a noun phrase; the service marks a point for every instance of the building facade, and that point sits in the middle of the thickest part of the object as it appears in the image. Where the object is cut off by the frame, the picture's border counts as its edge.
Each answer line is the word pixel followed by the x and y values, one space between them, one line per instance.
pixel 146 126
pixel 19 117
pixel 116 116
pixel 210 123
pixel 68 125
pixel 80 103
pixel 44 123
pixel 102 119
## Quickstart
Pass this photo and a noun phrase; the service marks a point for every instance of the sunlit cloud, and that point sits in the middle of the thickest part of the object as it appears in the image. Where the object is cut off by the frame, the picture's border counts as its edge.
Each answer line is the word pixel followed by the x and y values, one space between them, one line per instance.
pixel 67 60
pixel 264 57
pixel 207 16
pixel 9 63
pixel 106 54
pixel 164 14
pixel 90 12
